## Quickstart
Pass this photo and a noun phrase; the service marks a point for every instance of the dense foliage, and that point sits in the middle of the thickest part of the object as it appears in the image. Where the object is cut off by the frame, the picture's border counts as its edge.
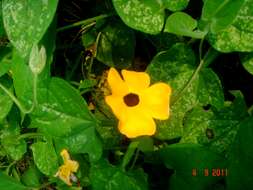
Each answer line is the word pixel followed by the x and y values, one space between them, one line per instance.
pixel 54 58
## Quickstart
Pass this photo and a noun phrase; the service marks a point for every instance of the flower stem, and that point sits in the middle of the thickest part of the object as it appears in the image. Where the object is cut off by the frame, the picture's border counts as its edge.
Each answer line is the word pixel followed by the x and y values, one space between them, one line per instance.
pixel 188 84
pixel 30 135
pixel 201 49
pixel 17 102
pixel 129 154
pixel 207 59
pixel 35 79
pixel 14 99
pixel 7 171
pixel 84 22
pixel 210 56
pixel 107 122
pixel 135 158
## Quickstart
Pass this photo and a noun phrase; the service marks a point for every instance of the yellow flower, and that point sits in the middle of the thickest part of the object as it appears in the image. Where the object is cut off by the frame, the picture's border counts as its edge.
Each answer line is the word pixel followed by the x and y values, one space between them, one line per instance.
pixel 69 166
pixel 135 103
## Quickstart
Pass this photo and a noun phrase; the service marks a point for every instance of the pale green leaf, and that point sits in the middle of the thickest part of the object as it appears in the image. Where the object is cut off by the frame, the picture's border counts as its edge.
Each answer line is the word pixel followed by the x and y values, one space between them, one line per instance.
pixel 175 5
pixel 214 128
pixel 27 21
pixel 116 45
pixel 210 89
pixel 239 35
pixel 247 61
pixel 176 67
pixel 45 157
pixel 146 16
pixel 13 146
pixel 81 141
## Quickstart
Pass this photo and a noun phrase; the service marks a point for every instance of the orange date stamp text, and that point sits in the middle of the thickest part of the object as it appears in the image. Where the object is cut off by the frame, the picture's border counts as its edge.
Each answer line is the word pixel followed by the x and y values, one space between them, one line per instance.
pixel 215 172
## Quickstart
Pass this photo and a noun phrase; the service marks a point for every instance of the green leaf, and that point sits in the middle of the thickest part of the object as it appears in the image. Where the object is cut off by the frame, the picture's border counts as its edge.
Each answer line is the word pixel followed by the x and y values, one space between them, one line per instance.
pixel 33 17
pixel 108 177
pixel 81 141
pixel 10 134
pixel 218 14
pixel 14 147
pixel 175 5
pixel 23 80
pixel 163 41
pixel 2 31
pixel 129 153
pixel 45 157
pixel 145 16
pixel 247 61
pixel 62 110
pixel 184 158
pixel 63 114
pixel 5 100
pixel 11 183
pixel 116 45
pixel 146 144
pixel 31 177
pixel 180 23
pixel 48 41
pixel 240 159
pixel 5 60
pixel 239 35
pixel 109 134
pixel 214 128
pixel 89 38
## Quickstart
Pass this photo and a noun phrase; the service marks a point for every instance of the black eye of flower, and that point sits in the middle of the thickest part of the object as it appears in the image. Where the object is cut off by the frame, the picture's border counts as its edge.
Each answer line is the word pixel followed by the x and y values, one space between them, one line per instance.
pixel 131 99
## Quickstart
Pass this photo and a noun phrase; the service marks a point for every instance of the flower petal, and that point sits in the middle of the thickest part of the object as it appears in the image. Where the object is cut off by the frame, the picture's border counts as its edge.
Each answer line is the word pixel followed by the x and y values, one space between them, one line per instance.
pixel 72 165
pixel 64 174
pixel 136 81
pixel 136 123
pixel 117 85
pixel 156 99
pixel 117 105
pixel 65 155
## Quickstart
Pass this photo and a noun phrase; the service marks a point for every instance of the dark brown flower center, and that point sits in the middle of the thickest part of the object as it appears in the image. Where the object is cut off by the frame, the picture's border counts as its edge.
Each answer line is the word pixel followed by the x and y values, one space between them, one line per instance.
pixel 131 99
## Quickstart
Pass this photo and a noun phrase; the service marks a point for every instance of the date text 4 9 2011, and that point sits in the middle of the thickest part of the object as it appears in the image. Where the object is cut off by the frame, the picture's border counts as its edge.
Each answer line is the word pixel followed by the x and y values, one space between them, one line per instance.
pixel 215 172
